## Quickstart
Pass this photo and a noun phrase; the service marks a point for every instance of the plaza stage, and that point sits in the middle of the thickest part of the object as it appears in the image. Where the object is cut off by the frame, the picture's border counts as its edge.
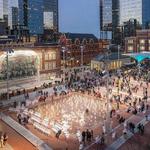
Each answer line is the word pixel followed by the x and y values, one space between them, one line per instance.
pixel 71 113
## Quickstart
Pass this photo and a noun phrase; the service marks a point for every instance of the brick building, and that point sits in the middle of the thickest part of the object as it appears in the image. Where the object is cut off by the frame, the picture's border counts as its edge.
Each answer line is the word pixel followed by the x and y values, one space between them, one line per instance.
pixel 50 61
pixel 29 61
pixel 73 54
pixel 139 43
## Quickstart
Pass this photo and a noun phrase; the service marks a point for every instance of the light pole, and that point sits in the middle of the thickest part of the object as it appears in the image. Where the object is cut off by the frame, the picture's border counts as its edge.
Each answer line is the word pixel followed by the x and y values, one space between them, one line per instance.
pixel 119 56
pixel 119 73
pixel 64 61
pixel 139 64
pixel 8 51
pixel 107 94
pixel 63 50
pixel 82 48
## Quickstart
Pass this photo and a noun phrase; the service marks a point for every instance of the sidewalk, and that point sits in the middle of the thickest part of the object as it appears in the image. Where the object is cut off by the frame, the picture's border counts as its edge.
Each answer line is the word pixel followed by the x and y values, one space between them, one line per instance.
pixel 114 144
pixel 121 140
pixel 21 98
pixel 41 145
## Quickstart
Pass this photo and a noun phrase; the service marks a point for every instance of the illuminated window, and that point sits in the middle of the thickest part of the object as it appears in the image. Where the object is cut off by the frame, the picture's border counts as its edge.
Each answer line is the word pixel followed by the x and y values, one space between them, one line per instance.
pixel 130 41
pixel 130 48
pixel 46 56
pixel 54 56
pixel 142 41
pixel 142 48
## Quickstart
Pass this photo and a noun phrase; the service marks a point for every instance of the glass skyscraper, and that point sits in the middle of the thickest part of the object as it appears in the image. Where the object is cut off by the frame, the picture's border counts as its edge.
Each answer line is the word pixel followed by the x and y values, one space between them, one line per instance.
pixel 105 14
pixel 31 15
pixel 51 14
pixel 12 13
pixel 1 9
pixel 135 9
pixel 5 7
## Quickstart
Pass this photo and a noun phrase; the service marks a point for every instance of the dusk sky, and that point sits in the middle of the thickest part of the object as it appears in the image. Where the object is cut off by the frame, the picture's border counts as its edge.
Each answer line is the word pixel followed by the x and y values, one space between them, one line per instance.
pixel 79 16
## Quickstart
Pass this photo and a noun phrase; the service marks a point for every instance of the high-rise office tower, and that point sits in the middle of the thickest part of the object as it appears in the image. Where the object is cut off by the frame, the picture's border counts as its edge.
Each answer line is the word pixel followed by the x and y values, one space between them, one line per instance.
pixel 1 9
pixel 12 13
pixel 116 32
pixel 105 15
pixel 135 9
pixel 51 14
pixel 31 15
pixel 5 7
pixel 14 16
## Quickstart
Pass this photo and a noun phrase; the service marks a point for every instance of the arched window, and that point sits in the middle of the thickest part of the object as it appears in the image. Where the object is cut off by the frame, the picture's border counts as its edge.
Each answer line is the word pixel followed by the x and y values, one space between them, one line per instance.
pixel 91 41
pixel 84 41
pixel 77 41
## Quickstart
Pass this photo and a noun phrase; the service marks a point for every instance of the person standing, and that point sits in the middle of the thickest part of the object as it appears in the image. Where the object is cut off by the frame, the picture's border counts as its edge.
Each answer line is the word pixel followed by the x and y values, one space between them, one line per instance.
pixel 83 136
pixel 92 135
pixel 5 138
pixel 2 140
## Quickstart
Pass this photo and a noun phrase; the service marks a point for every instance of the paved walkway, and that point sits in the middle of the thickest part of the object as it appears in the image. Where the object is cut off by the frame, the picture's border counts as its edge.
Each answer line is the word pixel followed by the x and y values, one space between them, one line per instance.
pixel 20 98
pixel 6 147
pixel 25 133
pixel 120 141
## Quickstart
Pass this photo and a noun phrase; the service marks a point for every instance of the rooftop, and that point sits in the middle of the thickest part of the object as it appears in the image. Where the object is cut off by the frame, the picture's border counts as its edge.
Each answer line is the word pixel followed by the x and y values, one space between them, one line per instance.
pixel 111 56
pixel 139 56
pixel 81 36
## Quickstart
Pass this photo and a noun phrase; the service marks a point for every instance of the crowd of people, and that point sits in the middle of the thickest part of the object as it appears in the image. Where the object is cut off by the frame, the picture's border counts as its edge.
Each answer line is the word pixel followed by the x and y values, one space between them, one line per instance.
pixel 127 86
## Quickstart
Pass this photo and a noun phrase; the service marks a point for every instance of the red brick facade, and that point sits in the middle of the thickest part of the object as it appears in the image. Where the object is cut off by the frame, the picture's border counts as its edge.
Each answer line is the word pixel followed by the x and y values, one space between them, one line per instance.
pixel 139 43
pixel 73 53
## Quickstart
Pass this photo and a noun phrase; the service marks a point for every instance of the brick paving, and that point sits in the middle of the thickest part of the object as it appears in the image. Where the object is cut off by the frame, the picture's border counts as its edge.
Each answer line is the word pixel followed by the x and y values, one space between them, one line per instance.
pixel 62 143
pixel 15 140
pixel 37 142
pixel 138 142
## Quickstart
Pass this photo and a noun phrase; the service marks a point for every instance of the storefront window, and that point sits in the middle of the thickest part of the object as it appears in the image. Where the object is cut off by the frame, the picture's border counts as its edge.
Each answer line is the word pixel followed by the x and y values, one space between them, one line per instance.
pixel 21 64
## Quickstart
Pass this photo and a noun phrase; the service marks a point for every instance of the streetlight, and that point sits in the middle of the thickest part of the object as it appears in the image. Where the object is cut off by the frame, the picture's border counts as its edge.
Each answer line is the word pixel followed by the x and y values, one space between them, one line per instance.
pixel 118 70
pixel 139 64
pixel 108 92
pixel 119 55
pixel 8 51
pixel 82 48
pixel 64 49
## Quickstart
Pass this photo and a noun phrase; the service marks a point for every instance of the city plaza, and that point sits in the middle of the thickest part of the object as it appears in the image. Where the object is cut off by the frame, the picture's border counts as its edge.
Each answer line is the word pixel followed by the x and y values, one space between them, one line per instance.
pixel 74 75
pixel 59 114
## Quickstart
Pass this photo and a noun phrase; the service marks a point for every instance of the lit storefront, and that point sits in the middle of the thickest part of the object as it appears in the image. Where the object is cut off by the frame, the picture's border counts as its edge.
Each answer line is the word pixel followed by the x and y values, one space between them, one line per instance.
pixel 41 62
pixel 101 62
